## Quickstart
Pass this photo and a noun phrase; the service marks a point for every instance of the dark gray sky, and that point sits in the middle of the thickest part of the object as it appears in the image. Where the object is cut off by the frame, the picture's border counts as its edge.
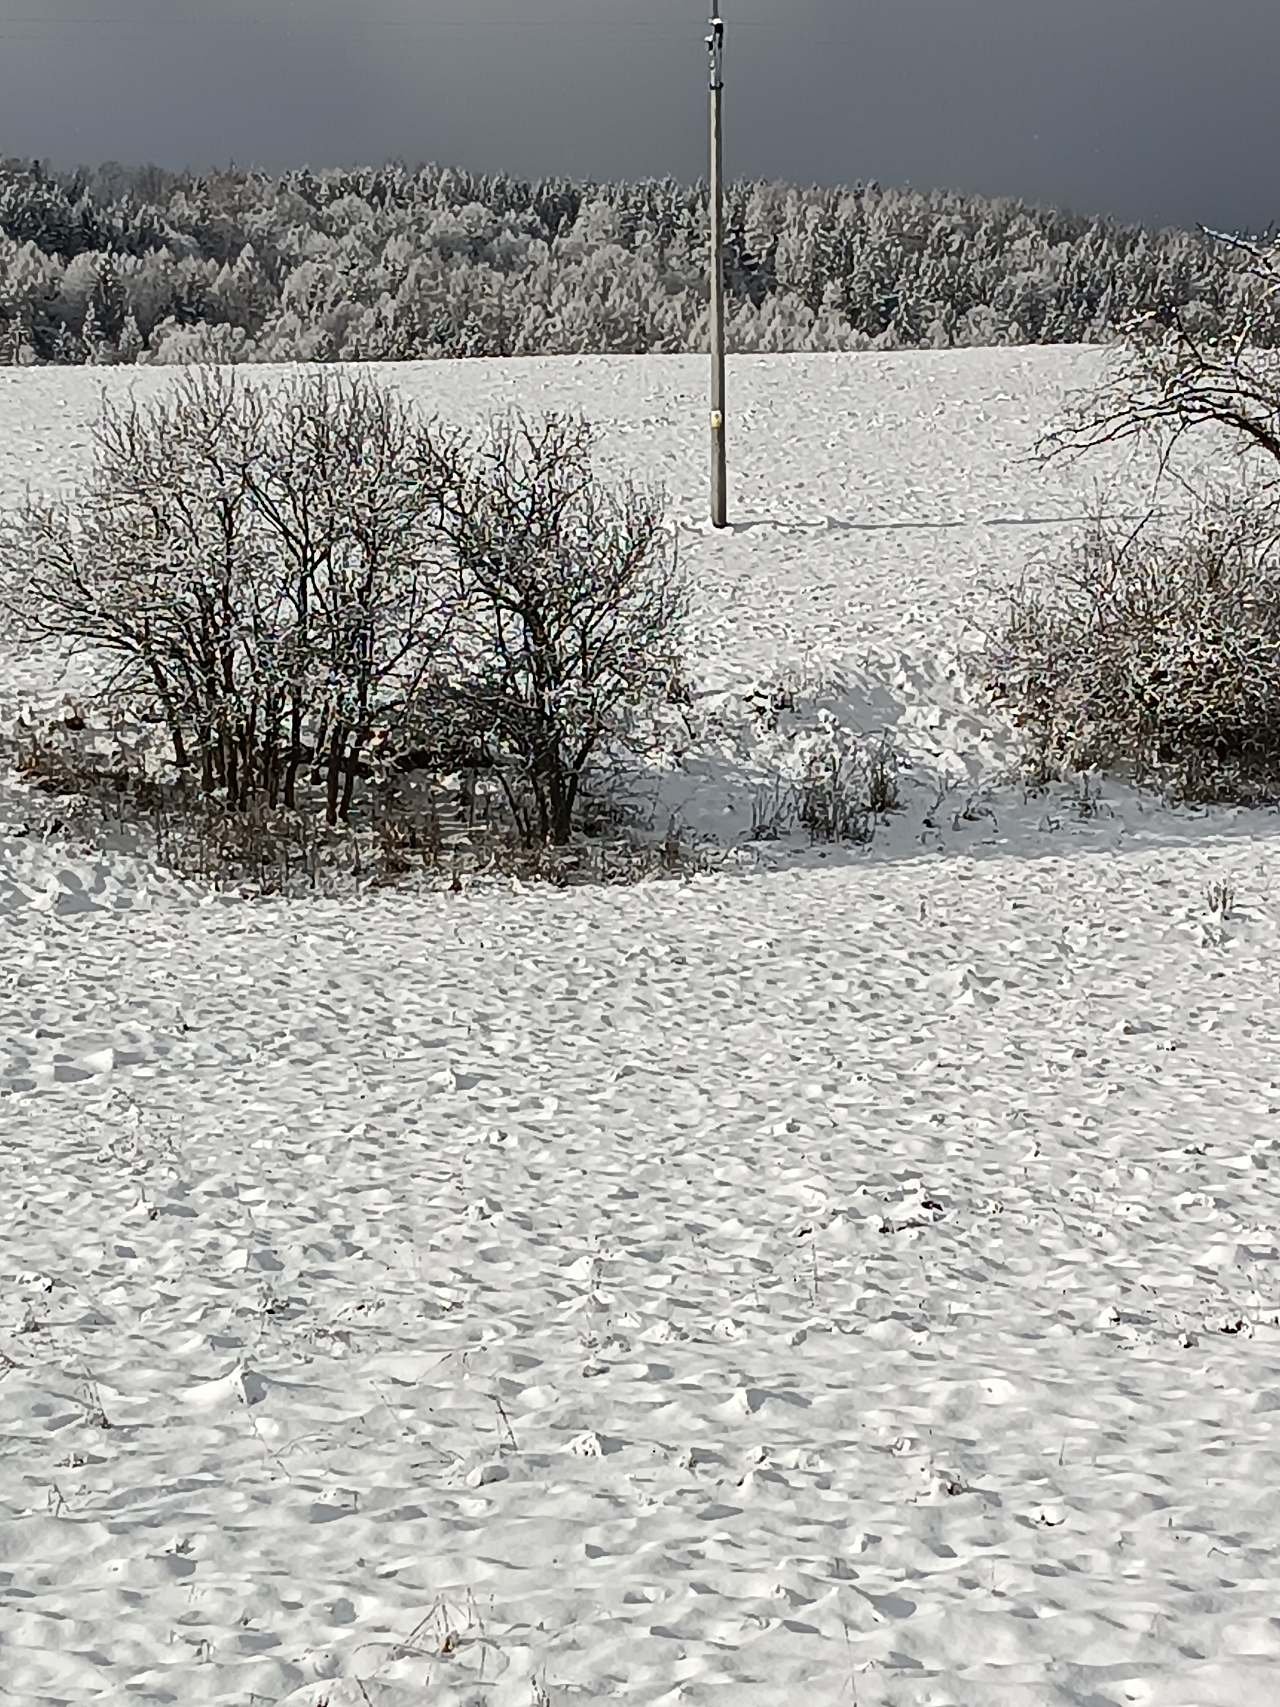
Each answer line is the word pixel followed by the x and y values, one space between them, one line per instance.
pixel 1160 110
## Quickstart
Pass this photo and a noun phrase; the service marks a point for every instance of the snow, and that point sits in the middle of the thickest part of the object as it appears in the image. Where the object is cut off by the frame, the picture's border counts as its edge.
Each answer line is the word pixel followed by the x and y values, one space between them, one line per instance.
pixel 844 1280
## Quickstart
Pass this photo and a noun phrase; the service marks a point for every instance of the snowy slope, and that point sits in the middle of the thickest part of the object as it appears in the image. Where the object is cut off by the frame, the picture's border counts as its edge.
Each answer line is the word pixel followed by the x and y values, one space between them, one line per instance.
pixel 853 1282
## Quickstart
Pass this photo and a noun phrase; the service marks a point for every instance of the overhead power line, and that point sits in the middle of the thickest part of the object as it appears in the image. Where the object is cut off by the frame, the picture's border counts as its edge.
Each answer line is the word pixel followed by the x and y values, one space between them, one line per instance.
pixel 480 21
pixel 36 27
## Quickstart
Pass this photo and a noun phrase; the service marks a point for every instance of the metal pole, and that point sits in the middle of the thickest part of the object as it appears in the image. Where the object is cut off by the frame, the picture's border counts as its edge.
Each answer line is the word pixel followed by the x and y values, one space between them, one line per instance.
pixel 719 500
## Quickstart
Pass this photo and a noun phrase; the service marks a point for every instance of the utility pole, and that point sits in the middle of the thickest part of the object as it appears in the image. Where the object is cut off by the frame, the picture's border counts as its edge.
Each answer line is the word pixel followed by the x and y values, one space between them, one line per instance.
pixel 719 500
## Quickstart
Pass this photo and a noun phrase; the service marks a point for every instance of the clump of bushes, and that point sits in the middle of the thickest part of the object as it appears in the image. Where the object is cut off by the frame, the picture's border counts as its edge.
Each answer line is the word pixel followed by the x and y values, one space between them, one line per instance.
pixel 1153 652
pixel 308 586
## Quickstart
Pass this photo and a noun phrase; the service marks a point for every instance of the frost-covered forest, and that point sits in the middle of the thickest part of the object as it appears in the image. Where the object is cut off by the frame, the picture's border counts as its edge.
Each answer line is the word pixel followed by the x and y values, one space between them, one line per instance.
pixel 117 264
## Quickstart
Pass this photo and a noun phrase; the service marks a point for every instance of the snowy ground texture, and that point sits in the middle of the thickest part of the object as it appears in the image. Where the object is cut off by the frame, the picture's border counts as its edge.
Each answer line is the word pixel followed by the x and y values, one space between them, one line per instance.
pixel 849 1283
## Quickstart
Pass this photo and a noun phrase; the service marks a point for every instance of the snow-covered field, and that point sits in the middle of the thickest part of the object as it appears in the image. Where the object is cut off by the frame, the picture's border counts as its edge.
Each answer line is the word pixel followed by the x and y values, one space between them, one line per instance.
pixel 843 1282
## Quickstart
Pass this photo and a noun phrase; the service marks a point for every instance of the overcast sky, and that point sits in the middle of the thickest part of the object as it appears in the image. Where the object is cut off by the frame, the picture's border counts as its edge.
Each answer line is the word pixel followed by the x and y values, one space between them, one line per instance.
pixel 1159 110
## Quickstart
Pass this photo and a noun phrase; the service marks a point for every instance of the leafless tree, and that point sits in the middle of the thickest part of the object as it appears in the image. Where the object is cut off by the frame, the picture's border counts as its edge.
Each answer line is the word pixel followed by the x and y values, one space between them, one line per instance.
pixel 1172 374
pixel 571 607
pixel 142 569
pixel 342 493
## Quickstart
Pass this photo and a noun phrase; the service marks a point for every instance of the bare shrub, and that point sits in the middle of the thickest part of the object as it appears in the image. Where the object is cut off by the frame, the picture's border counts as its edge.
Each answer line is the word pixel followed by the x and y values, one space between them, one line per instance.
pixel 255 569
pixel 1220 898
pixel 1174 374
pixel 571 608
pixel 880 769
pixel 270 850
pixel 618 862
pixel 846 786
pixel 773 811
pixel 1155 652
pixel 405 843
pixel 284 851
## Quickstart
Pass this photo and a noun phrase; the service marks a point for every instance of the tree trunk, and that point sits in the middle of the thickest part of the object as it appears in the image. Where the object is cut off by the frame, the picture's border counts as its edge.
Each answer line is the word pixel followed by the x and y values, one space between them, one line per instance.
pixel 230 769
pixel 248 752
pixel 352 766
pixel 270 750
pixel 295 751
pixel 322 738
pixel 560 791
pixel 333 779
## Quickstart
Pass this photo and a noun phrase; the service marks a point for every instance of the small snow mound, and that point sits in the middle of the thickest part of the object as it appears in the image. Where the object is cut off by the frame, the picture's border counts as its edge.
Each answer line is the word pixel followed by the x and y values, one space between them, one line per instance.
pixel 40 880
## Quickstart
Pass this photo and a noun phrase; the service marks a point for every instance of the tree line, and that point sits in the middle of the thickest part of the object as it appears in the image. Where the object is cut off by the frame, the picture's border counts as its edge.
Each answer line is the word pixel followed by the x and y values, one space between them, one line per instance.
pixel 391 263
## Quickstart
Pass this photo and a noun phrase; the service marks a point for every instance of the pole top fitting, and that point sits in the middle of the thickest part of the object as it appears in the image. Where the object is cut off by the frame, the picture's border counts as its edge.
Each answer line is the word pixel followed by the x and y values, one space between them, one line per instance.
pixel 715 46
